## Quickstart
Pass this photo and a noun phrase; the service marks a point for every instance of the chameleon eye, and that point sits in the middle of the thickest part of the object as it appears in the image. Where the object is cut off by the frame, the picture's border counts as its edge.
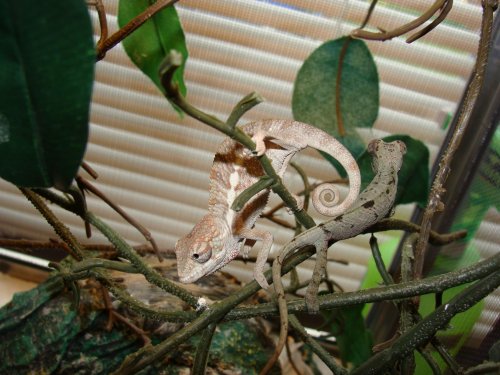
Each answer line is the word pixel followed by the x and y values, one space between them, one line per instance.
pixel 202 256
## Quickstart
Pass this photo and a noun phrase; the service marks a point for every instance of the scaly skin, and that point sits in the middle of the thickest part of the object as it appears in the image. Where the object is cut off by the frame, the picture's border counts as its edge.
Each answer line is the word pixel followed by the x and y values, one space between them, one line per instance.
pixel 217 238
pixel 373 204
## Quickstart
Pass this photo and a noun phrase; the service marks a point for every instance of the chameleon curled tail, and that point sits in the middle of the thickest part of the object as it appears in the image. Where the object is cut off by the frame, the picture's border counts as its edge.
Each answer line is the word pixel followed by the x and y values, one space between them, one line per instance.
pixel 325 195
pixel 294 136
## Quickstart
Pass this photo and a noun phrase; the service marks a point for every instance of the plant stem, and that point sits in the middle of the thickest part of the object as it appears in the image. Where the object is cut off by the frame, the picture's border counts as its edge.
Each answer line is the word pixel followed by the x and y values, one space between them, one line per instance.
pixel 385 35
pixel 435 238
pixel 130 27
pixel 62 231
pixel 141 308
pixel 468 104
pixel 379 262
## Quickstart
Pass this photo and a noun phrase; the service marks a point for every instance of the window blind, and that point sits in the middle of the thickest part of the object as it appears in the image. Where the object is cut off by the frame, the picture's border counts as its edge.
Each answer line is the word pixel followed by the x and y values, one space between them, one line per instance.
pixel 155 164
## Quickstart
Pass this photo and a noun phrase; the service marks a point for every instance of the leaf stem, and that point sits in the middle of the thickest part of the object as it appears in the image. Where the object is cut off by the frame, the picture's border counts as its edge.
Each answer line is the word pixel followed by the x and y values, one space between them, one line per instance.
pixel 439 5
pixel 130 27
pixel 338 84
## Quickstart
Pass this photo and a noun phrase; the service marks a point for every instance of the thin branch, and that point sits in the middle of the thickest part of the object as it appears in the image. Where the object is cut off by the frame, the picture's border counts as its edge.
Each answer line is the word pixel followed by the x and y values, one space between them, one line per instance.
pixel 243 106
pixel 115 315
pixel 263 183
pixel 124 249
pixel 484 368
pixel 103 23
pixel 133 25
pixel 430 361
pixel 453 365
pixel 146 233
pixel 316 348
pixel 29 246
pixel 201 356
pixel 61 230
pixel 463 120
pixel 437 239
pixel 139 307
pixel 368 14
pixel 410 289
pixel 385 35
pixel 440 18
pixel 87 168
pixel 379 262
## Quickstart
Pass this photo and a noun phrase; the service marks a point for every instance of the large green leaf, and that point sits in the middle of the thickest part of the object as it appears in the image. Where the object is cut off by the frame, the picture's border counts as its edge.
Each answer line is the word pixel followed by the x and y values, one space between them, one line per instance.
pixel 413 182
pixel 314 95
pixel 47 63
pixel 150 43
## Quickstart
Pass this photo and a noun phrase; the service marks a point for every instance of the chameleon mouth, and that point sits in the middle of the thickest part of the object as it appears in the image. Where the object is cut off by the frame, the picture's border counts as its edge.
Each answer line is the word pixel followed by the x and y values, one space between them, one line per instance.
pixel 187 276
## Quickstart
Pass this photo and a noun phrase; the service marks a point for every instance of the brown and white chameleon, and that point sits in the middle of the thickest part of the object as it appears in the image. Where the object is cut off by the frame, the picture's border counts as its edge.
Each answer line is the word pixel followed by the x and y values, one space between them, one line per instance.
pixel 218 237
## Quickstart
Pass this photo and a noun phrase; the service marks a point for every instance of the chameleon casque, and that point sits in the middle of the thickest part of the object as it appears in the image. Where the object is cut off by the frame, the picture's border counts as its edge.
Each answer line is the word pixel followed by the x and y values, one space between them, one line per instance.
pixel 218 237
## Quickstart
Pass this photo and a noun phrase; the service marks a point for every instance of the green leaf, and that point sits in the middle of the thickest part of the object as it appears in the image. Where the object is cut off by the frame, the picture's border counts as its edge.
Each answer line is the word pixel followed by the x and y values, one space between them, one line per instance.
pixel 413 182
pixel 47 63
pixel 354 339
pixel 314 95
pixel 148 46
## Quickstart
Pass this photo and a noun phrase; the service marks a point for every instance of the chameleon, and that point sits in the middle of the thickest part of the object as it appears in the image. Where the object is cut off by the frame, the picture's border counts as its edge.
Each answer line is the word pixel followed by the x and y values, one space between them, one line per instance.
pixel 373 204
pixel 219 236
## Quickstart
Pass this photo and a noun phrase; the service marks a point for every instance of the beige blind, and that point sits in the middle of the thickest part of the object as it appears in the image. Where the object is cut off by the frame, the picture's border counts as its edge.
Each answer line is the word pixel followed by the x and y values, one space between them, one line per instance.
pixel 156 165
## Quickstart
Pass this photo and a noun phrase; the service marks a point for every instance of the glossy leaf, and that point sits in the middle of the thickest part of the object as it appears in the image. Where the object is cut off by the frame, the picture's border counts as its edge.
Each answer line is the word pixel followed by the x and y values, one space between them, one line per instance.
pixel 314 95
pixel 413 183
pixel 150 43
pixel 47 63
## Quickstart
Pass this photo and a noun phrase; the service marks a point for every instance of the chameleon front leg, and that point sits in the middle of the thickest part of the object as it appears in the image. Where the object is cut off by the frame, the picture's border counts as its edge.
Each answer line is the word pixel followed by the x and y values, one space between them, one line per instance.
pixel 289 143
pixel 267 241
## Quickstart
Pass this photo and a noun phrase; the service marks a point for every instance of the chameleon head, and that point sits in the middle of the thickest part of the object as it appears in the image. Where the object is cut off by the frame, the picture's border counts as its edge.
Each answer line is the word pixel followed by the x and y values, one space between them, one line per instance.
pixel 204 249
pixel 387 153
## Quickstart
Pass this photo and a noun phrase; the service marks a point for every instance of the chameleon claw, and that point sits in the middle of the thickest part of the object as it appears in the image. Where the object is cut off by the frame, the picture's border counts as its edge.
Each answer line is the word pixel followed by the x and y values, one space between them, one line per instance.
pixel 261 279
pixel 260 145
